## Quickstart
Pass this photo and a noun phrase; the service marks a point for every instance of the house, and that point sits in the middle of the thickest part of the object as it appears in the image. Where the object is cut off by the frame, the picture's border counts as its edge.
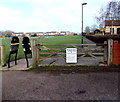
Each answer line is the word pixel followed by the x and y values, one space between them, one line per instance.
pixel 40 33
pixel 64 32
pixel 52 33
pixel 112 27
pixel 30 33
pixel 27 34
pixel 67 33
pixel 18 33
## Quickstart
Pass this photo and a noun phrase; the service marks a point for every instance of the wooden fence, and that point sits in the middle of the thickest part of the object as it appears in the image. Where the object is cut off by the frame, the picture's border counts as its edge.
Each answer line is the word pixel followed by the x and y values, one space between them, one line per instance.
pixel 2 55
pixel 36 47
pixel 111 52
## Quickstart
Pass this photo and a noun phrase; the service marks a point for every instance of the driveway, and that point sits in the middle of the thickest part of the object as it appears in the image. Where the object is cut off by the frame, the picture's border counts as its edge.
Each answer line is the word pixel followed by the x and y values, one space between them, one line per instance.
pixel 54 85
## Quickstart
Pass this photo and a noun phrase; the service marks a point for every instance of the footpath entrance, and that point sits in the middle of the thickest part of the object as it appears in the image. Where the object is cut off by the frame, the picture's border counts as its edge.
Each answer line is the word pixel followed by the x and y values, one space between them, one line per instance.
pixel 56 54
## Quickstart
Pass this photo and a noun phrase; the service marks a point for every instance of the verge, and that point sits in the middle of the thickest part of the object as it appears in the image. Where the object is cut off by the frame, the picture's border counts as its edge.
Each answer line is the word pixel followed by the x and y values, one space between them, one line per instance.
pixel 77 68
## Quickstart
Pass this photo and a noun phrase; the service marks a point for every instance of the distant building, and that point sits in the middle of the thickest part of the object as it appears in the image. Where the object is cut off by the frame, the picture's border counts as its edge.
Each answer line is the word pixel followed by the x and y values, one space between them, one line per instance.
pixel 112 27
pixel 18 33
pixel 27 34
pixel 67 33
pixel 40 33
pixel 52 33
pixel 37 33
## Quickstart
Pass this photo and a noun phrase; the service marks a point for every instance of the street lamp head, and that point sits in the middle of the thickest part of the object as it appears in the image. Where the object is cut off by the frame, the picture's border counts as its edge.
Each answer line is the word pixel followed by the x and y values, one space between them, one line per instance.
pixel 84 3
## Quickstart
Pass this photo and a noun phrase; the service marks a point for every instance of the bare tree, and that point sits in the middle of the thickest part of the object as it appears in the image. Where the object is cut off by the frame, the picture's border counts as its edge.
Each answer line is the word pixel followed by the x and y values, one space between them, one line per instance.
pixel 113 11
pixel 110 12
pixel 93 28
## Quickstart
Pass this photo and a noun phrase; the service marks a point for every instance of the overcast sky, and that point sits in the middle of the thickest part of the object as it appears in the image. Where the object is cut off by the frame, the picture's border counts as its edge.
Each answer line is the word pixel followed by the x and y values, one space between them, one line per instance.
pixel 47 15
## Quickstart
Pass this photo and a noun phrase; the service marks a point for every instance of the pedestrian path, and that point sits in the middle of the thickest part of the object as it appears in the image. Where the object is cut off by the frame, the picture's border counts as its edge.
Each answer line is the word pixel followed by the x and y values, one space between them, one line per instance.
pixel 89 42
pixel 21 65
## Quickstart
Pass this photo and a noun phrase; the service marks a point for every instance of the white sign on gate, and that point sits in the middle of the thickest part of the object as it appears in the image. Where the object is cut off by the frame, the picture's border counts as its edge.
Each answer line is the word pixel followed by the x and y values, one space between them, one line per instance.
pixel 71 55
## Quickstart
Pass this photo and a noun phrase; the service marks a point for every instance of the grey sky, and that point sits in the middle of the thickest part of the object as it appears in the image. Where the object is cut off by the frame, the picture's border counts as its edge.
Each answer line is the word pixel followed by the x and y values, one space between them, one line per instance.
pixel 47 15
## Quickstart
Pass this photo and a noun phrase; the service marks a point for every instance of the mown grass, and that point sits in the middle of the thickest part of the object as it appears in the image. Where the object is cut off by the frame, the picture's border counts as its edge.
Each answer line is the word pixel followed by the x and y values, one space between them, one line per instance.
pixel 61 40
pixel 51 40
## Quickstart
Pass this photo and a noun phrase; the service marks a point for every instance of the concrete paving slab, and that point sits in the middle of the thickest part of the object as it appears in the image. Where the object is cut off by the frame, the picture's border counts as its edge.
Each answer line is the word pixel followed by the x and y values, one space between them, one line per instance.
pixel 21 65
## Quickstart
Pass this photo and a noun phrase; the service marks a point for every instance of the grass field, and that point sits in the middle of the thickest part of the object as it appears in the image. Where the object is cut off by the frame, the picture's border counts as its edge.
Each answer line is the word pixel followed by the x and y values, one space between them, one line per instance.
pixel 51 40
pixel 7 43
pixel 61 40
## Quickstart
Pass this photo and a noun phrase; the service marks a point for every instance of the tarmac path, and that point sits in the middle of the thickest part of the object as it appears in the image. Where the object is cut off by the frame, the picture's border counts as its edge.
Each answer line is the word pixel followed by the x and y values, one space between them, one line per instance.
pixel 52 85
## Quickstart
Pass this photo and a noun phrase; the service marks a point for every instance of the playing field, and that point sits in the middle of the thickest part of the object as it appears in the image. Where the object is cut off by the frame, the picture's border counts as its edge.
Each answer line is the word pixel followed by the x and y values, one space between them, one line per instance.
pixel 50 40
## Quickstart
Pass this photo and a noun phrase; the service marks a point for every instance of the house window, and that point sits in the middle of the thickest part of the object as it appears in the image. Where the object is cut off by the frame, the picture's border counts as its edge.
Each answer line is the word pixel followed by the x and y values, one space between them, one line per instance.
pixel 112 30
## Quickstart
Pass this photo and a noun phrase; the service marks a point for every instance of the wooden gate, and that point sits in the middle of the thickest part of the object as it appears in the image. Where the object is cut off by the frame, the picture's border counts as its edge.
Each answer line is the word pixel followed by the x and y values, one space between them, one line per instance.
pixel 41 52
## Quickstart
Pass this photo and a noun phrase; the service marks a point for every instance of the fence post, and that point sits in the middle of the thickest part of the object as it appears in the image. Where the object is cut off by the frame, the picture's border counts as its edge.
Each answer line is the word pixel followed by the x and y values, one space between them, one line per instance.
pixel 116 53
pixel 37 54
pixel 2 55
pixel 105 52
pixel 110 51
pixel 119 53
pixel 34 53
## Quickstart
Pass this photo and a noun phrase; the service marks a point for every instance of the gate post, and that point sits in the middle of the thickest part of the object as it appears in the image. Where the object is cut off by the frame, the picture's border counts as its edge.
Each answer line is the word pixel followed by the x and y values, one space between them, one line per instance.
pixel 35 54
pixel 105 52
pixel 2 55
pixel 110 51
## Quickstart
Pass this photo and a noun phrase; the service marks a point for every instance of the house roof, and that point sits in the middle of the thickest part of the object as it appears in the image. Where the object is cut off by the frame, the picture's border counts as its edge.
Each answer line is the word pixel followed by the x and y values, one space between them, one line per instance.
pixel 112 22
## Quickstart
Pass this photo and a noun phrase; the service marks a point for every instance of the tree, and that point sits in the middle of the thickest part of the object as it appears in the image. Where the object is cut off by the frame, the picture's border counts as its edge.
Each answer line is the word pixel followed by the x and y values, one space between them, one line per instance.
pixel 87 30
pixel 1 32
pixel 93 28
pixel 8 33
pixel 110 12
pixel 34 35
pixel 113 11
pixel 23 35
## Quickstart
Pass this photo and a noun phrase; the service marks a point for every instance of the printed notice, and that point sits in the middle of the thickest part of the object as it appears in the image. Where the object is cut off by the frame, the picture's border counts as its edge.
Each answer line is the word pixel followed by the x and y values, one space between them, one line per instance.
pixel 71 55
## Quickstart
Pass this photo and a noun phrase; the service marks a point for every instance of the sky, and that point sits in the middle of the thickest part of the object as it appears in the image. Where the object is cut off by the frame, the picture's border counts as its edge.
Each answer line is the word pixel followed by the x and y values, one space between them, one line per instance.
pixel 47 15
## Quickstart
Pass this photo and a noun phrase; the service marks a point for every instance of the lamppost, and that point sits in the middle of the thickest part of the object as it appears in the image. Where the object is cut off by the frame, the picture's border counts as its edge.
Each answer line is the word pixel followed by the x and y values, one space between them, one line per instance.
pixel 82 22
